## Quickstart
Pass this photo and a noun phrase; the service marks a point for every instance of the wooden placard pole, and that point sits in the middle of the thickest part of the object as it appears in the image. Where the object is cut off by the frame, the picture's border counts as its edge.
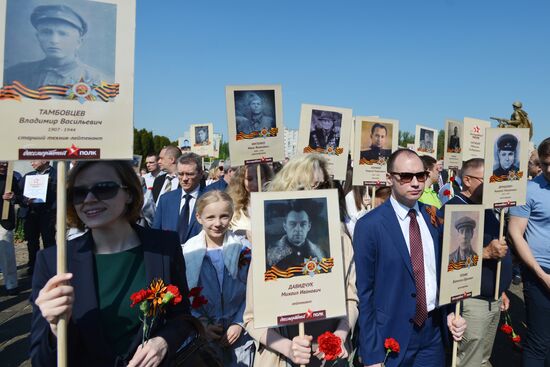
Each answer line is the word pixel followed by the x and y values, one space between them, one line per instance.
pixel 499 262
pixel 373 197
pixel 61 257
pixel 9 182
pixel 455 343
pixel 259 177
pixel 301 332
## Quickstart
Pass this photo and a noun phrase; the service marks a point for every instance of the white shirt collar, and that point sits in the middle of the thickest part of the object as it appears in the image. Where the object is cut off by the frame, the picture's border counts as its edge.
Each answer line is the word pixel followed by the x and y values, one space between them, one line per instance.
pixel 194 194
pixel 401 210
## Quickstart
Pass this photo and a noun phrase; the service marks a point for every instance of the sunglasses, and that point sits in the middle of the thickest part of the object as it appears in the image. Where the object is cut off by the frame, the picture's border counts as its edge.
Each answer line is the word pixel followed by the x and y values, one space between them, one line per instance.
pixel 406 177
pixel 101 191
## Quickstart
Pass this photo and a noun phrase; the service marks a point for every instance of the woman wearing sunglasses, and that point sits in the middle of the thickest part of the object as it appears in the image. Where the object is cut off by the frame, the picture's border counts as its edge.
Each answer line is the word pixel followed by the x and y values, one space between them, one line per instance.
pixel 111 261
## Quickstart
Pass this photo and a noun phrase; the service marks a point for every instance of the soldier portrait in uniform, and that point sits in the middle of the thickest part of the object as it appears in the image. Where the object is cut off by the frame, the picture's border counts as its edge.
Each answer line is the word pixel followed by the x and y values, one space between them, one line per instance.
pixel 325 129
pixel 426 140
pixel 453 143
pixel 254 110
pixel 378 142
pixel 201 135
pixel 59 44
pixel 296 235
pixel 464 254
pixel 506 154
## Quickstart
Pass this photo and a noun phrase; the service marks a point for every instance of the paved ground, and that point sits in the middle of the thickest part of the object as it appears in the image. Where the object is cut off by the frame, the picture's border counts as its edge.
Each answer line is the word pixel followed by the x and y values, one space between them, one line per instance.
pixel 15 319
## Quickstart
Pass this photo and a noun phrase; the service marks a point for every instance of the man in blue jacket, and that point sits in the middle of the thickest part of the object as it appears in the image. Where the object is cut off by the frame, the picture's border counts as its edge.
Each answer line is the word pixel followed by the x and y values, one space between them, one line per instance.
pixel 397 257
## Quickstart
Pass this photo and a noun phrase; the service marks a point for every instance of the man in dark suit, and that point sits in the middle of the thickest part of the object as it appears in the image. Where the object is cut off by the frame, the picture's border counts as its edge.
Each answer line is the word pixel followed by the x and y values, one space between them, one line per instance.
pixel 40 216
pixel 397 257
pixel 168 157
pixel 176 209
pixel 378 134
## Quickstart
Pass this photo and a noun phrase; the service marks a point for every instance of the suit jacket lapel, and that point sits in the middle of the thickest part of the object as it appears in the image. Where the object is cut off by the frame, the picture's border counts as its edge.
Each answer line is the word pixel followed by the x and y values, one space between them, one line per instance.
pixel 396 236
pixel 193 220
pixel 85 307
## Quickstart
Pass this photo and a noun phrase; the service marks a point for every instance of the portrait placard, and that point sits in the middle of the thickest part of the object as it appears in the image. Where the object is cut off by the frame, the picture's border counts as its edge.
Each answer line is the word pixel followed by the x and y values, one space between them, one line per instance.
pixel 474 138
pixel 462 253
pixel 506 159
pixel 184 142
pixel 453 144
pixel 425 141
pixel 255 123
pixel 72 99
pixel 298 272
pixel 136 162
pixel 326 130
pixel 375 140
pixel 217 142
pixel 202 139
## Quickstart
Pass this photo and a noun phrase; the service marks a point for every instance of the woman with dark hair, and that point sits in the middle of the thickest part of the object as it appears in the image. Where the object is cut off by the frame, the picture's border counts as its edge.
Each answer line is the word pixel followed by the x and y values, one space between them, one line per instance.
pixel 112 260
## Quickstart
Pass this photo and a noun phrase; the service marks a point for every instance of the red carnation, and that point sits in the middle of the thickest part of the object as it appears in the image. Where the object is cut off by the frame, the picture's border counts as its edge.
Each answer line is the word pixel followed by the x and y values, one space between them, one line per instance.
pixel 330 345
pixel 198 301
pixel 175 292
pixel 194 292
pixel 138 297
pixel 516 339
pixel 506 329
pixel 391 345
pixel 452 179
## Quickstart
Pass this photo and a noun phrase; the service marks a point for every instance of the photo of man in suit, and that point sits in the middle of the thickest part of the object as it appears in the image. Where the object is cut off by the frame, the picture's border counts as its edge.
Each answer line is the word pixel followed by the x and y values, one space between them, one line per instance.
pixel 294 247
pixel 176 209
pixel 201 135
pixel 397 253
pixel 454 141
pixel 506 155
pixel 378 135
pixel 464 256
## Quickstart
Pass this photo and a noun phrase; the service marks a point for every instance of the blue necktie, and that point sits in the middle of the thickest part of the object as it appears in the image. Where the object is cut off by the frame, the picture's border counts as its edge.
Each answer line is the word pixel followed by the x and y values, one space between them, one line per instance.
pixel 184 219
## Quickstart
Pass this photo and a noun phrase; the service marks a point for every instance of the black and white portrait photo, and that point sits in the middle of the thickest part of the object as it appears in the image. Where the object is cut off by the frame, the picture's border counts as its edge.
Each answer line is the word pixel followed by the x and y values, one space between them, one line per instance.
pixel 296 237
pixel 254 110
pixel 201 135
pixel 453 141
pixel 325 129
pixel 506 150
pixel 463 252
pixel 59 43
pixel 426 140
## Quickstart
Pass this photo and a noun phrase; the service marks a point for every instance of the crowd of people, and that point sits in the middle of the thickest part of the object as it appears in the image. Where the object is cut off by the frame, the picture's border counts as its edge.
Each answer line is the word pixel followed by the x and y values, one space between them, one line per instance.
pixel 128 228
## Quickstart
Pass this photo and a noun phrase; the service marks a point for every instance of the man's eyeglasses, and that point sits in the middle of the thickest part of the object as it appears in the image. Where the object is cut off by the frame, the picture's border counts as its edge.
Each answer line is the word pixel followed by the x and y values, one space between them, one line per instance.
pixel 477 178
pixel 101 191
pixel 406 177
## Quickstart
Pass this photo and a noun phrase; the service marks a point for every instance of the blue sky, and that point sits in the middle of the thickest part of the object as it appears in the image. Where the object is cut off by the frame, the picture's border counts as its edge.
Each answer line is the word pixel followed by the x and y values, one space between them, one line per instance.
pixel 420 62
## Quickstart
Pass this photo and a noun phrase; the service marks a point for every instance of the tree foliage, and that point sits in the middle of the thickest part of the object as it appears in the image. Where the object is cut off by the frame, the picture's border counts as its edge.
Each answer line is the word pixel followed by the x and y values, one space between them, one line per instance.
pixel 440 144
pixel 146 143
pixel 405 138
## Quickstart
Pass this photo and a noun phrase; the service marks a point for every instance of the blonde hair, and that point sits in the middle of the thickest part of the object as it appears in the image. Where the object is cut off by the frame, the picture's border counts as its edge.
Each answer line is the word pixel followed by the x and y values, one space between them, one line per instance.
pixel 299 174
pixel 212 197
pixel 237 189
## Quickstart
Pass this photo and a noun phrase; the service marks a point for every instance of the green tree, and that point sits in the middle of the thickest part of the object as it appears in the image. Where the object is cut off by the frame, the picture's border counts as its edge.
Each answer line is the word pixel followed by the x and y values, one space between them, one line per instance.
pixel 440 144
pixel 145 143
pixel 405 138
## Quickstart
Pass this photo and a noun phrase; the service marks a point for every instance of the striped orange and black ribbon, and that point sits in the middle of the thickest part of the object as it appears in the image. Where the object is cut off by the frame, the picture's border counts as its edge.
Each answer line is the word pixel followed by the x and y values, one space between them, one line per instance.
pixel 274 272
pixel 16 90
pixel 462 264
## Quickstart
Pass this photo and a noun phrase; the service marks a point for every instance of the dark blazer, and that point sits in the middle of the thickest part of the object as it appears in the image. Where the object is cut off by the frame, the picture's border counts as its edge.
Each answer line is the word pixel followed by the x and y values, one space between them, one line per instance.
pixel 158 183
pixel 87 343
pixel 385 282
pixel 168 210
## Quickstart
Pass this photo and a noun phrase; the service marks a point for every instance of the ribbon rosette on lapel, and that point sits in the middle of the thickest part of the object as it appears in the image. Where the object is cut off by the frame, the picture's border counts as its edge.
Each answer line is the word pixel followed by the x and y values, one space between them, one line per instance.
pixel 152 302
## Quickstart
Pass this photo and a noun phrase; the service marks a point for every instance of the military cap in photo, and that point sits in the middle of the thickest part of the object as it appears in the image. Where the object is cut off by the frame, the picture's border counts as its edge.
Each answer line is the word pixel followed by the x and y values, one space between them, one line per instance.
pixel 507 142
pixel 465 222
pixel 251 96
pixel 327 115
pixel 58 12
